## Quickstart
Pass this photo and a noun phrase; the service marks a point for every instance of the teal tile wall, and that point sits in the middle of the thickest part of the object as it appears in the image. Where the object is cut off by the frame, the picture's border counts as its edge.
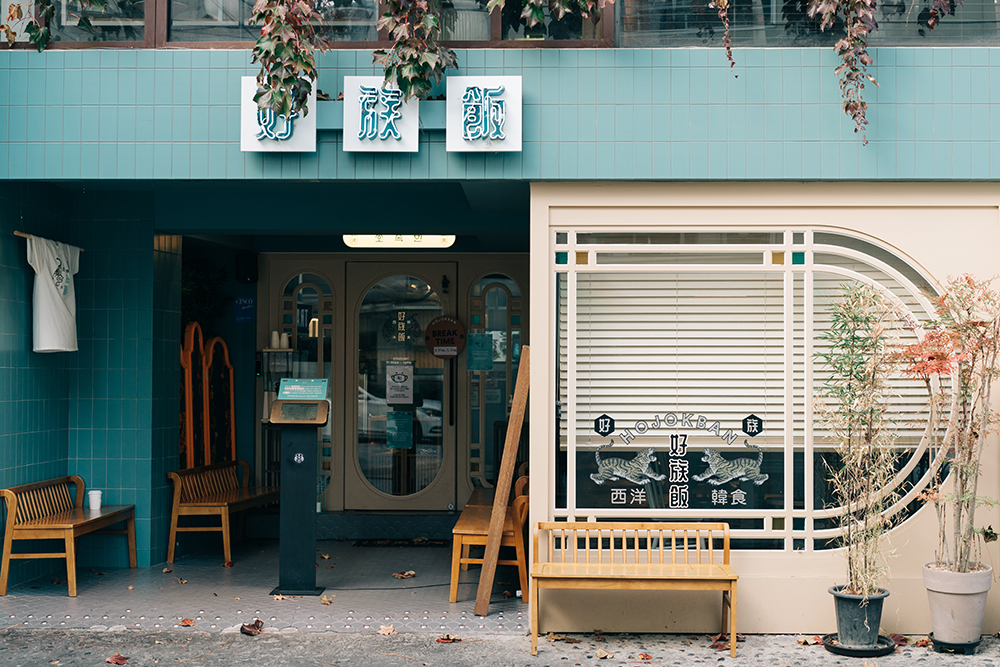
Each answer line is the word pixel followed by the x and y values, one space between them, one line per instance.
pixel 589 114
pixel 33 387
pixel 112 382
pixel 166 380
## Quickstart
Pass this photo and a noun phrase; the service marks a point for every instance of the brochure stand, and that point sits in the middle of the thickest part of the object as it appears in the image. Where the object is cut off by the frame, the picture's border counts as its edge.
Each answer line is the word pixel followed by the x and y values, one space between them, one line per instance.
pixel 299 419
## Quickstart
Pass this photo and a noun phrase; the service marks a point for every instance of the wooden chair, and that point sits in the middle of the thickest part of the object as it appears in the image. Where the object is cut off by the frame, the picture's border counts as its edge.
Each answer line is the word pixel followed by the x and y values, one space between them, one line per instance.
pixel 471 530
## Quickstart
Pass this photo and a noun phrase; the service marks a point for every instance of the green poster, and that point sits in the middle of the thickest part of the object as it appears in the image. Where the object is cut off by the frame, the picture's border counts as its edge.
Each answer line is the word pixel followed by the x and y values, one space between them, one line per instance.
pixel 399 430
pixel 480 352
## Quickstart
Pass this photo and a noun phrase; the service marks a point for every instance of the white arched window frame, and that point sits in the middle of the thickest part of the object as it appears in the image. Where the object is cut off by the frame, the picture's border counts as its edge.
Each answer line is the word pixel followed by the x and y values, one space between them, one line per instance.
pixel 793 276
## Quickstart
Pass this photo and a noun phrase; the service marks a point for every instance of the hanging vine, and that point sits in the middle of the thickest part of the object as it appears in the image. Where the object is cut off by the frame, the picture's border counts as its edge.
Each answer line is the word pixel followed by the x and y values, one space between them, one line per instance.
pixel 286 53
pixel 416 60
pixel 859 21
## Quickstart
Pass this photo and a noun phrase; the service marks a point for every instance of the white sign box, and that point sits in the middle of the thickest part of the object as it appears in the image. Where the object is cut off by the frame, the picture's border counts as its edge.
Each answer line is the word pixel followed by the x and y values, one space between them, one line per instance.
pixel 376 120
pixel 484 114
pixel 267 132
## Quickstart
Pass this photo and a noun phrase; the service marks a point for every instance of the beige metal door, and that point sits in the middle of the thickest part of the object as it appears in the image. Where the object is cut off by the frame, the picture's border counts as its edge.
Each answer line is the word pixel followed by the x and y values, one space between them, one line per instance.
pixel 400 434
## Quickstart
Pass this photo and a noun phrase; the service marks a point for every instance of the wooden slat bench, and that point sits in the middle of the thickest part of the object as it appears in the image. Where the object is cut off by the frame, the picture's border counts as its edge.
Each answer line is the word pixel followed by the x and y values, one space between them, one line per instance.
pixel 214 490
pixel 633 556
pixel 47 510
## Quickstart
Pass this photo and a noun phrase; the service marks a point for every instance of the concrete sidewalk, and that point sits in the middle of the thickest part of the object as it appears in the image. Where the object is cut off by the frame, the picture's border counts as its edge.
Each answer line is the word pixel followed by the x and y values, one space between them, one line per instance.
pixel 192 646
pixel 141 613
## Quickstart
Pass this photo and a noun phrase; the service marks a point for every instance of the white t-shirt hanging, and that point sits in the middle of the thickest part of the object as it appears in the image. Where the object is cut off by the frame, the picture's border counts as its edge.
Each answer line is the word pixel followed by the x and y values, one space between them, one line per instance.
pixel 55 264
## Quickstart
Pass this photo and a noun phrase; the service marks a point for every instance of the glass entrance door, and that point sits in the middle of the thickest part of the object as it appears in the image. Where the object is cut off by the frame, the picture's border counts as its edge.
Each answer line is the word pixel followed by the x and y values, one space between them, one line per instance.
pixel 401 434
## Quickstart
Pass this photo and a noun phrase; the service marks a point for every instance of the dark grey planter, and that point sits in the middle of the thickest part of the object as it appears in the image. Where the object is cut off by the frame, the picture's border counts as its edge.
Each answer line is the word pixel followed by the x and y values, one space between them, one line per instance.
pixel 858 621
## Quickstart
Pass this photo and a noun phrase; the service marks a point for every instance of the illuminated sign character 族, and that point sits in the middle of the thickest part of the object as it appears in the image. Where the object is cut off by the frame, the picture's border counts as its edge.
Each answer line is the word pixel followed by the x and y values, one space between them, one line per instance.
pixel 372 117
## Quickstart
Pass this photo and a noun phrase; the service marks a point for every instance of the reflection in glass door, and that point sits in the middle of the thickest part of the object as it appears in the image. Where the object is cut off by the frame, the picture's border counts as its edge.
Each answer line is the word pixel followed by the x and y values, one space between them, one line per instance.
pixel 404 447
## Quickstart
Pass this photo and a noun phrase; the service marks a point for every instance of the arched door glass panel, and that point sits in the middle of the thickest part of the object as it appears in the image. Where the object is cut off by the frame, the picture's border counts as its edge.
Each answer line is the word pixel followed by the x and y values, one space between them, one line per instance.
pixel 400 387
pixel 496 312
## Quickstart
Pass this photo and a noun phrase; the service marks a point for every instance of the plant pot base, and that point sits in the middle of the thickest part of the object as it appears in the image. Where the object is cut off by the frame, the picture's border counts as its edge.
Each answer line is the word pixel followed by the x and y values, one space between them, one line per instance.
pixel 967 648
pixel 885 646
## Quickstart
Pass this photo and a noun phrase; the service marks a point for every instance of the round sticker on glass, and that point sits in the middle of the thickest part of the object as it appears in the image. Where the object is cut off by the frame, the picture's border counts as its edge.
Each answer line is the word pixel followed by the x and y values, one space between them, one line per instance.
pixel 445 337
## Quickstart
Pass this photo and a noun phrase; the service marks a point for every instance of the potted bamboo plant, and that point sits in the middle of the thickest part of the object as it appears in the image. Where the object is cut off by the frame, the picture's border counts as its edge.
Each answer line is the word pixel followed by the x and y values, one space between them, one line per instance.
pixel 959 359
pixel 859 360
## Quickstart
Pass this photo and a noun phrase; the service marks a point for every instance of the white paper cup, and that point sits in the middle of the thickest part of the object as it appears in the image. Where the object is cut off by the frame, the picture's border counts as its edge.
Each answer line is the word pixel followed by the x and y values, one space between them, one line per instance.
pixel 275 340
pixel 284 341
pixel 94 497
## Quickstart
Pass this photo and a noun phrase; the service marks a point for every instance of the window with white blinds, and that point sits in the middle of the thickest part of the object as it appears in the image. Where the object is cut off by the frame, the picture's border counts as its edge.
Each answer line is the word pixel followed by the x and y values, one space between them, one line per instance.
pixel 721 326
pixel 705 343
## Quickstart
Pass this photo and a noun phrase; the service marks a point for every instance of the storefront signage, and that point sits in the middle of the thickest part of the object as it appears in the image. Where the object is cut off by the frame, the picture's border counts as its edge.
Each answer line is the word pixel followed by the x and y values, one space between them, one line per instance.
pixel 376 119
pixel 399 383
pixel 483 114
pixel 302 389
pixel 445 337
pixel 671 475
pixel 264 131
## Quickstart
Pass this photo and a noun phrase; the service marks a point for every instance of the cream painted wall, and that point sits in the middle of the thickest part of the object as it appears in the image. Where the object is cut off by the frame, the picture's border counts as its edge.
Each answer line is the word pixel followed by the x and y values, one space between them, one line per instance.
pixel 945 231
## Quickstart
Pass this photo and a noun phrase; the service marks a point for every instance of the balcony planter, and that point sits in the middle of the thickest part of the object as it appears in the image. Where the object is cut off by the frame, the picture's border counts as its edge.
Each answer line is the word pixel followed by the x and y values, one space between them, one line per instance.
pixel 958 603
pixel 858 618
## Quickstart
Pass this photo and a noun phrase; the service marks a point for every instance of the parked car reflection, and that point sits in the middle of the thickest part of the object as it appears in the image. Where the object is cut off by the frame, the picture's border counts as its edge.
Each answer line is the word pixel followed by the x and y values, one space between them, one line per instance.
pixel 372 411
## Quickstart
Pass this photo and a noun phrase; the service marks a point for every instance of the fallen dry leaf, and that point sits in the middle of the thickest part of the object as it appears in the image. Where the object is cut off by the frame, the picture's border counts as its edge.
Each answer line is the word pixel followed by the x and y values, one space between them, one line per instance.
pixel 118 659
pixel 131 588
pixel 228 563
pixel 553 637
pixel 327 567
pixel 898 639
pixel 181 581
pixel 387 630
pixel 645 656
pixel 325 556
pixel 809 641
pixel 252 629
pixel 279 596
pixel 507 595
pixel 571 640
pixel 602 654
pixel 167 570
pixel 187 623
pixel 325 600
pixel 54 662
pixel 922 642
pixel 448 639
pixel 409 574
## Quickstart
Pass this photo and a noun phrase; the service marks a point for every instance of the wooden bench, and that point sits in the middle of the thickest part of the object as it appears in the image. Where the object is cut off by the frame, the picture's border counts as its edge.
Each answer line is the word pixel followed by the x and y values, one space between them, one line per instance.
pixel 471 530
pixel 214 490
pixel 46 511
pixel 633 556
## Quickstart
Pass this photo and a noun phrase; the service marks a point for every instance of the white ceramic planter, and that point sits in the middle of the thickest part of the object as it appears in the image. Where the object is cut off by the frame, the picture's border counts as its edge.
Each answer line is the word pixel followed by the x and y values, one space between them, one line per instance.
pixel 957 603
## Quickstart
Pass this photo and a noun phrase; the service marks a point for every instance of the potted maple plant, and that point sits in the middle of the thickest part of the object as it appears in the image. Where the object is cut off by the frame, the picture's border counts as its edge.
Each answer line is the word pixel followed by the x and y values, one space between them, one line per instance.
pixel 959 359
pixel 859 359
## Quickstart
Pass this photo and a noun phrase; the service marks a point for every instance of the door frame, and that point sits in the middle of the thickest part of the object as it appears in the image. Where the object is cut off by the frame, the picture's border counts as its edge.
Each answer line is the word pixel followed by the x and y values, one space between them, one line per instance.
pixel 360 494
pixel 279 267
